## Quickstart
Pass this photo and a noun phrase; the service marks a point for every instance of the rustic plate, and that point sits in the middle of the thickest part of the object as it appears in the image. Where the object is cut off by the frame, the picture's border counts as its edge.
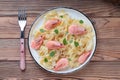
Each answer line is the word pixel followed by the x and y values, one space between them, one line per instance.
pixel 39 21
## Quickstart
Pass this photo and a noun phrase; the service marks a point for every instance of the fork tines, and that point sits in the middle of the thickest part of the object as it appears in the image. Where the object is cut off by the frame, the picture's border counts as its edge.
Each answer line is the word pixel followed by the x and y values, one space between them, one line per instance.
pixel 21 14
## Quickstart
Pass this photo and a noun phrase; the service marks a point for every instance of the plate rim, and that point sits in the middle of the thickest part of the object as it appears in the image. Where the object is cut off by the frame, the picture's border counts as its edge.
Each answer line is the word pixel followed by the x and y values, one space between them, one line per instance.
pixel 53 8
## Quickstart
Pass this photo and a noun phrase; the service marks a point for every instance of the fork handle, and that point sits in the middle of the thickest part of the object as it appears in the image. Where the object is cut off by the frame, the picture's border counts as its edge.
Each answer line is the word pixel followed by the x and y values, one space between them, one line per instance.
pixel 22 53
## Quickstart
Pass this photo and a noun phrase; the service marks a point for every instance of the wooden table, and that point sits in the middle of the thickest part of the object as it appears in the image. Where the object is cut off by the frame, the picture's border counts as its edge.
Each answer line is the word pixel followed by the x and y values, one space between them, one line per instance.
pixel 105 65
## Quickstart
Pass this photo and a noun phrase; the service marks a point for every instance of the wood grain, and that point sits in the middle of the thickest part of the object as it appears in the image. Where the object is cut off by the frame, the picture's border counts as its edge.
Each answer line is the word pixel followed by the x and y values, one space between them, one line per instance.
pixel 35 7
pixel 105 27
pixel 107 50
pixel 105 64
pixel 93 71
pixel 9 27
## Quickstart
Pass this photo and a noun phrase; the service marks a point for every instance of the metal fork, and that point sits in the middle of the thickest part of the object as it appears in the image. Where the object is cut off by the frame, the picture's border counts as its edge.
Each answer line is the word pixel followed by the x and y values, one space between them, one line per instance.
pixel 22 23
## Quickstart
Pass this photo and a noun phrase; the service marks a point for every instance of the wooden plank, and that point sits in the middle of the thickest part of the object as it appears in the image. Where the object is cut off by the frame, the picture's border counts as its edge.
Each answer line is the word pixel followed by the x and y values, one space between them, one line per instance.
pixel 105 27
pixel 10 49
pixel 9 27
pixel 39 79
pixel 34 7
pixel 49 78
pixel 93 71
pixel 107 50
pixel 105 64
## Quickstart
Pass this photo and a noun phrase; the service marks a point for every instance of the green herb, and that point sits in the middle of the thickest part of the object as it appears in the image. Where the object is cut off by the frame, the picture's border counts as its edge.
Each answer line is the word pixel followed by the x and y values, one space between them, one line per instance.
pixel 69 59
pixel 65 41
pixel 71 41
pixel 42 30
pixel 76 44
pixel 81 21
pixel 56 31
pixel 45 60
pixel 52 53
pixel 61 16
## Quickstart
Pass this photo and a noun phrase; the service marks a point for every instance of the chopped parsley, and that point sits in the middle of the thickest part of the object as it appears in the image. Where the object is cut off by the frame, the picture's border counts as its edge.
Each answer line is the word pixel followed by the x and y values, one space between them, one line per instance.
pixel 65 41
pixel 69 59
pixel 56 31
pixel 42 30
pixel 81 21
pixel 61 16
pixel 52 53
pixel 45 60
pixel 76 44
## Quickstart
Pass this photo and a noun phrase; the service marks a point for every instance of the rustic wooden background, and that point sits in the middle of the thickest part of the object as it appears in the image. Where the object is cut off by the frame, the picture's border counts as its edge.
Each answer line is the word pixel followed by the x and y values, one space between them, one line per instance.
pixel 105 65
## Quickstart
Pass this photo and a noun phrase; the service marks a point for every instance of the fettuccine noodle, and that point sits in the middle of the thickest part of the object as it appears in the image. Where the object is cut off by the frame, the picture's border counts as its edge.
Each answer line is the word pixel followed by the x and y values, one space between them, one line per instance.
pixel 70 51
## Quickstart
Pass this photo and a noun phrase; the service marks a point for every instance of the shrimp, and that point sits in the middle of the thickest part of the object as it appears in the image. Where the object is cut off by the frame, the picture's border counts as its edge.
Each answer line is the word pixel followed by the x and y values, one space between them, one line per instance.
pixel 76 30
pixel 50 24
pixel 61 64
pixel 54 45
pixel 36 44
pixel 83 57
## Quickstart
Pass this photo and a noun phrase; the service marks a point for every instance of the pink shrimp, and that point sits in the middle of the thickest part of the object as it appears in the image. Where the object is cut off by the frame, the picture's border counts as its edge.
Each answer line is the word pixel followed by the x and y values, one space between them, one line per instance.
pixel 36 44
pixel 50 24
pixel 83 57
pixel 61 64
pixel 54 45
pixel 76 30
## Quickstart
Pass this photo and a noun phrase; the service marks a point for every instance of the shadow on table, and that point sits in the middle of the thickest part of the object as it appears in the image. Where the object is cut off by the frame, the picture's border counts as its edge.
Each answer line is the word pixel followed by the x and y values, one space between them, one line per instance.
pixel 114 2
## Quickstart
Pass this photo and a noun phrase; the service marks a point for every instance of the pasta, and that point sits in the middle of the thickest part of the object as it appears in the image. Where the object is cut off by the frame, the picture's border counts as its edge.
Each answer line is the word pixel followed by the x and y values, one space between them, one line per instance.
pixel 73 45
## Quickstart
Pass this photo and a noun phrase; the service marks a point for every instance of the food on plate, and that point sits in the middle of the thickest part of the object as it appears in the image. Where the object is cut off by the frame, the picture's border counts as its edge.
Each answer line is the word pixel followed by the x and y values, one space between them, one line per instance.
pixel 50 24
pixel 54 45
pixel 61 64
pixel 36 43
pixel 76 30
pixel 63 42
pixel 83 57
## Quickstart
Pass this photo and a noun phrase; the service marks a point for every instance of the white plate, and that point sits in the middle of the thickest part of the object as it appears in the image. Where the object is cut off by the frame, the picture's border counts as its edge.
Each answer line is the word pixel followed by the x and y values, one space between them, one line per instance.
pixel 39 21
